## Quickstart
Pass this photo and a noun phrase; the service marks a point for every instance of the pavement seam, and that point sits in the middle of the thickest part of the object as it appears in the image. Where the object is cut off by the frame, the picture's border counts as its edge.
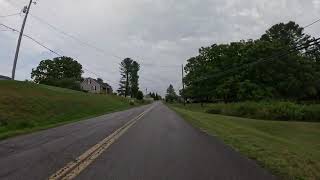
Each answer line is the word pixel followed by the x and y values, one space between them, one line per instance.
pixel 74 168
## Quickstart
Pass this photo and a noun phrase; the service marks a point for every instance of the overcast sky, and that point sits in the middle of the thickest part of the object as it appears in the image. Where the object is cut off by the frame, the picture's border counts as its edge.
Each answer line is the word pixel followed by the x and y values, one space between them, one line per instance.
pixel 159 34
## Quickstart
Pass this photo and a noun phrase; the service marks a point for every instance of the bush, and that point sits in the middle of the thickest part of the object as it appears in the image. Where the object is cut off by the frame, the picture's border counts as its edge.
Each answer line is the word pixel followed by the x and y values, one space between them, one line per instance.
pixel 286 111
pixel 131 102
pixel 3 121
pixel 69 83
pixel 140 95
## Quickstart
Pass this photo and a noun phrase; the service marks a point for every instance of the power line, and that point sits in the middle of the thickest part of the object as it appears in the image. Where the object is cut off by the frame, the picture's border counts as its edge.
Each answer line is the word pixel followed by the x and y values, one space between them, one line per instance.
pixel 311 24
pixel 58 54
pixel 31 38
pixel 10 15
pixel 44 46
pixel 74 37
pixel 86 43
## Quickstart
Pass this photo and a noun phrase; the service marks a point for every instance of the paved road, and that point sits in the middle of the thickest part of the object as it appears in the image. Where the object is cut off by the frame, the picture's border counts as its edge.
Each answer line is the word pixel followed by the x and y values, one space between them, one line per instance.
pixel 159 146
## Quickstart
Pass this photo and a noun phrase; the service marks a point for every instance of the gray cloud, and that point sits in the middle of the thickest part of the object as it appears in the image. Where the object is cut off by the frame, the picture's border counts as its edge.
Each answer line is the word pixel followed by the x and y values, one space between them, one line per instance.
pixel 160 34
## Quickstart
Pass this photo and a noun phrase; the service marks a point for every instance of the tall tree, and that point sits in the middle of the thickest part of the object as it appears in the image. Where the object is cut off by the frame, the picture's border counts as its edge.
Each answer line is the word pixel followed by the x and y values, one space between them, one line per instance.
pixel 134 79
pixel 171 94
pixel 125 68
pixel 61 71
pixel 129 82
pixel 139 95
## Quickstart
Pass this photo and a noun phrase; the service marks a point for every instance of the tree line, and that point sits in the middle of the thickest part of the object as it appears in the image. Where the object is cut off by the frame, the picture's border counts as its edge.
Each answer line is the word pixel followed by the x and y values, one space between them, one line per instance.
pixel 66 72
pixel 284 63
pixel 155 96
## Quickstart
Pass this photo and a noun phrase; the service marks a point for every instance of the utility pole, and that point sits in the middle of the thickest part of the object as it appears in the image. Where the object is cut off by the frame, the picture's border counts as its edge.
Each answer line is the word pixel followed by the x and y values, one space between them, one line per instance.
pixel 26 10
pixel 184 99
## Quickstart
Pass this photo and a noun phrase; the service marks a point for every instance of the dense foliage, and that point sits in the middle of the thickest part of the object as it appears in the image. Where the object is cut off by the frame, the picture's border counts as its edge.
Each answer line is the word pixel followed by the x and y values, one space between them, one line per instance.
pixel 129 82
pixel 284 111
pixel 140 95
pixel 61 71
pixel 283 64
pixel 171 94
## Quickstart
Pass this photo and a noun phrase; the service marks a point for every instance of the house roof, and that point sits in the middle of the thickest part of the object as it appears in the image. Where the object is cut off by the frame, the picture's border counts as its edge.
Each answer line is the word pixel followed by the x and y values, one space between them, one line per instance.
pixel 4 77
pixel 105 85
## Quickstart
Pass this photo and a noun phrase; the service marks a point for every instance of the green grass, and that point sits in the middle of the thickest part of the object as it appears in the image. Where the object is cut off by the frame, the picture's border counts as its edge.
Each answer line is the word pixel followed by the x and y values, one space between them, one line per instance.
pixel 27 107
pixel 290 150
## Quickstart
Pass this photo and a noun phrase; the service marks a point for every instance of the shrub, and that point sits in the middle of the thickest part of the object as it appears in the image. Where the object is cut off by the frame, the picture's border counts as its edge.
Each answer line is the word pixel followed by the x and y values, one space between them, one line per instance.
pixel 140 95
pixel 286 111
pixel 3 121
pixel 131 102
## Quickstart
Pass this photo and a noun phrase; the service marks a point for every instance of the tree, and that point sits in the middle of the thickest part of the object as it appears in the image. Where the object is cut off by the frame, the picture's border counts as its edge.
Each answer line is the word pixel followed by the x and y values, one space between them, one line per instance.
pixel 139 95
pixel 61 71
pixel 134 79
pixel 155 96
pixel 257 69
pixel 129 82
pixel 125 68
pixel 171 94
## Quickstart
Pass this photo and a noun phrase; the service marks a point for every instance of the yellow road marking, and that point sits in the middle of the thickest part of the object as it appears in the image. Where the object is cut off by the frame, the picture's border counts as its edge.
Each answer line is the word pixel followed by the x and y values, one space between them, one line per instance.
pixel 74 168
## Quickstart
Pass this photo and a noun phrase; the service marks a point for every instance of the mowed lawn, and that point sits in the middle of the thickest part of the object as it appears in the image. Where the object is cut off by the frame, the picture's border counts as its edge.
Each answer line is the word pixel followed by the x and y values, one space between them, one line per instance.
pixel 26 107
pixel 289 150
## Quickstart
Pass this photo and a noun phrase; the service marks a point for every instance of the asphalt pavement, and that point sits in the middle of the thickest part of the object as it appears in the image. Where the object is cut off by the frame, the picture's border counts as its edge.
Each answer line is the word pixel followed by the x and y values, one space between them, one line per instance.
pixel 161 145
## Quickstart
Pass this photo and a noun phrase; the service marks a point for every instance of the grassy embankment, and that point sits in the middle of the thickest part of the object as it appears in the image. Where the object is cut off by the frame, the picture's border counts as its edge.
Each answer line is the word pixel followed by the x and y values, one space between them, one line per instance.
pixel 27 107
pixel 290 150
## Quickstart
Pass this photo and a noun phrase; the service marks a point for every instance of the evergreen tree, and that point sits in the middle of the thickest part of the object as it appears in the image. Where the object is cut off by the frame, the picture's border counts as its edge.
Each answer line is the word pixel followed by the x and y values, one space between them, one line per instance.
pixel 134 79
pixel 171 94
pixel 129 81
pixel 125 69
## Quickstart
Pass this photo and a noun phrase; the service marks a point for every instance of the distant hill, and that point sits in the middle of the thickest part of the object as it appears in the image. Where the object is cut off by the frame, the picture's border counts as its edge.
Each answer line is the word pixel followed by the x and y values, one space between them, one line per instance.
pixel 26 107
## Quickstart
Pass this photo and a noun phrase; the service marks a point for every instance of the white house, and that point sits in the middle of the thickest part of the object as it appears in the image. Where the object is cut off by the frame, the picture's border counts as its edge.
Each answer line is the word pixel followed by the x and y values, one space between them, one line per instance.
pixel 94 86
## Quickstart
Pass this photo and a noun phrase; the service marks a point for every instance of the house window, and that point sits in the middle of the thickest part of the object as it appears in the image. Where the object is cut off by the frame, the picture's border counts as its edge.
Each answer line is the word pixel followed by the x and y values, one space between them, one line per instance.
pixel 95 88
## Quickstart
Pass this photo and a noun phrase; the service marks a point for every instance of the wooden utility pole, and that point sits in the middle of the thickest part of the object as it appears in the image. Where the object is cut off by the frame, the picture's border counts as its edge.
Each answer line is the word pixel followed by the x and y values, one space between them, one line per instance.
pixel 26 11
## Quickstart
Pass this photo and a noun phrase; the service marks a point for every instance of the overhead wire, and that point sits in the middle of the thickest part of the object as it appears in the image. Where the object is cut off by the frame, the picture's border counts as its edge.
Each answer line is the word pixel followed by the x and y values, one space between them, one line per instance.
pixel 311 24
pixel 83 42
pixel 9 15
pixel 44 46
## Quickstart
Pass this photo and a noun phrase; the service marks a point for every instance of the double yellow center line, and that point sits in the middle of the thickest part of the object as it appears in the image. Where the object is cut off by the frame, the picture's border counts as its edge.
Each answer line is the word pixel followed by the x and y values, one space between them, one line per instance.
pixel 74 168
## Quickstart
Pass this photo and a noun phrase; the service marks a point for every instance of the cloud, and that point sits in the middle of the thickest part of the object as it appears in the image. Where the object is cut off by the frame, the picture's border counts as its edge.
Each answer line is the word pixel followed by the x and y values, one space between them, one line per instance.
pixel 160 34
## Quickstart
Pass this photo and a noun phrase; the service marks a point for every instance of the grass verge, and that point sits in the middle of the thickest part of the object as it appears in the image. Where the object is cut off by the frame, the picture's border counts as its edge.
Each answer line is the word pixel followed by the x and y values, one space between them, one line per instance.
pixel 27 107
pixel 268 110
pixel 290 150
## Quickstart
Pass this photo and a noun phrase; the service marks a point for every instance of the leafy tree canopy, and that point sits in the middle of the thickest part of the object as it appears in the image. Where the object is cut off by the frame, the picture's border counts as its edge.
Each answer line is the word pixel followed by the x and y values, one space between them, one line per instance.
pixel 61 71
pixel 269 67
pixel 140 95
